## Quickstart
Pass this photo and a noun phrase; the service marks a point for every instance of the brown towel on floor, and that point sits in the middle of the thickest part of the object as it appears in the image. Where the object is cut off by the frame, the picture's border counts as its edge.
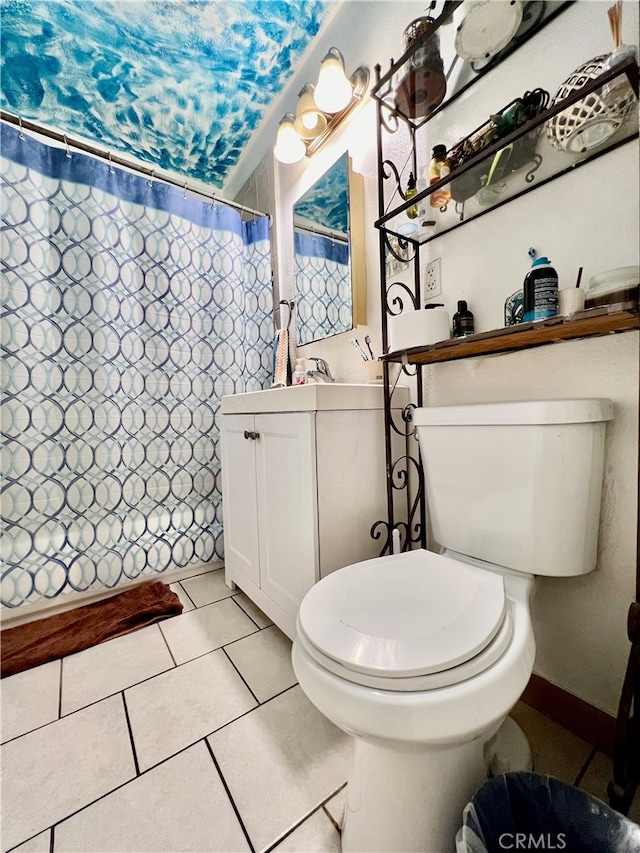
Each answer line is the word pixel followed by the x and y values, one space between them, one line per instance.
pixel 57 636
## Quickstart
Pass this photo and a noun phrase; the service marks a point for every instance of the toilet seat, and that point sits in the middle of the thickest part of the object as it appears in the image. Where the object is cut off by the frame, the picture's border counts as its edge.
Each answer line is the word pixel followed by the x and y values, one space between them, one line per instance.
pixel 408 622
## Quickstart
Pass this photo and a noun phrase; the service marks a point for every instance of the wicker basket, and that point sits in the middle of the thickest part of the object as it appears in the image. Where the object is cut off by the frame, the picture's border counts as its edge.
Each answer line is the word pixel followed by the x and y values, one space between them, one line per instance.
pixel 592 120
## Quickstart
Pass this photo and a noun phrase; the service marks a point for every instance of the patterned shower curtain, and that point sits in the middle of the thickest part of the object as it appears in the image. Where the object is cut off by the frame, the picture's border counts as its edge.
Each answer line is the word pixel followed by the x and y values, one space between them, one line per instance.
pixel 128 309
pixel 323 287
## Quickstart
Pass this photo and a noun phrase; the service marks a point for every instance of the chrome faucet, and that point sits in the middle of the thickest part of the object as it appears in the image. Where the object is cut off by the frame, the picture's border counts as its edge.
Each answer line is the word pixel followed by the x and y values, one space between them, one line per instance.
pixel 321 371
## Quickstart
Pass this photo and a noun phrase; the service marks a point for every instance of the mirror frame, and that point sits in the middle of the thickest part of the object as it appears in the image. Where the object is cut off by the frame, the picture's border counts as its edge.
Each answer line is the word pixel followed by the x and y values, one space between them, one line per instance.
pixel 356 243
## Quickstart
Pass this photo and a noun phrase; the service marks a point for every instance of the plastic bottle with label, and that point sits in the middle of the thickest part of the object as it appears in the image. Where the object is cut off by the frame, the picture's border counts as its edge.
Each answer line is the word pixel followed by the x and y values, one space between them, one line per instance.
pixel 540 290
pixel 299 374
pixel 439 169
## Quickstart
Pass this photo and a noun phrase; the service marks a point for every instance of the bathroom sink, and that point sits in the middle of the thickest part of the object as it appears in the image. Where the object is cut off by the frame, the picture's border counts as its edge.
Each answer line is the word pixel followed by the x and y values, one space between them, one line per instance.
pixel 312 397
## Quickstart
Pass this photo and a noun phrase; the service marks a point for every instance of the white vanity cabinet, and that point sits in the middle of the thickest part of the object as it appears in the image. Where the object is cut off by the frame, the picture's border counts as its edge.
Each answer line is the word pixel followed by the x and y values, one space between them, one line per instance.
pixel 303 481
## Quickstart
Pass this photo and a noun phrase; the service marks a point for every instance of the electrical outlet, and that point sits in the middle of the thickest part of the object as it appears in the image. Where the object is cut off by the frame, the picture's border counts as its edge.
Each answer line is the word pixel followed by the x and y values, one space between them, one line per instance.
pixel 431 281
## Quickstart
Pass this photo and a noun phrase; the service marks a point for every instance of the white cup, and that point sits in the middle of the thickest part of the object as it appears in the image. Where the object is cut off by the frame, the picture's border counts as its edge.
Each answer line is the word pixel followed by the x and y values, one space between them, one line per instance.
pixel 374 371
pixel 570 300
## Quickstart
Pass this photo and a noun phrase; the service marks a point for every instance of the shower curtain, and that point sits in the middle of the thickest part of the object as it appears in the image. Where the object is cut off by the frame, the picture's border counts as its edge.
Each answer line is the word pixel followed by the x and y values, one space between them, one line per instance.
pixel 128 309
pixel 323 287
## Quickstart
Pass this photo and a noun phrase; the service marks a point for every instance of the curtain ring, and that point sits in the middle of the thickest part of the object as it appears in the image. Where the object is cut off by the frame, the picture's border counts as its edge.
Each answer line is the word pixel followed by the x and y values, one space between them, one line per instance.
pixel 20 134
pixel 184 193
pixel 111 169
pixel 66 142
pixel 213 203
pixel 150 181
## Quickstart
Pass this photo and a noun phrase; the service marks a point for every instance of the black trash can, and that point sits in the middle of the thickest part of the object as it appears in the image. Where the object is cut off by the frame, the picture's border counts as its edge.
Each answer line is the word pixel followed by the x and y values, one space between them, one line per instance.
pixel 527 811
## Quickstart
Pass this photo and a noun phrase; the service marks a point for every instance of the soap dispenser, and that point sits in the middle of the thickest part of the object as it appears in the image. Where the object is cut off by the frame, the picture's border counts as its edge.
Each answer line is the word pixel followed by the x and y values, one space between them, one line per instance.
pixel 299 374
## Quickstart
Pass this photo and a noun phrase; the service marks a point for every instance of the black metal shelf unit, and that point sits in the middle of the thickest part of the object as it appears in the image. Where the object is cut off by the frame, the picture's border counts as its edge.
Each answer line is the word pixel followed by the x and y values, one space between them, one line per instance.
pixel 536 159
pixel 405 525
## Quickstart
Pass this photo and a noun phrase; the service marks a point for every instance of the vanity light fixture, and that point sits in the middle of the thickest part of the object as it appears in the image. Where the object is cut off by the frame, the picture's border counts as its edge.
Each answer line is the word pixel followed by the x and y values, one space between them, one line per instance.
pixel 310 121
pixel 321 109
pixel 289 146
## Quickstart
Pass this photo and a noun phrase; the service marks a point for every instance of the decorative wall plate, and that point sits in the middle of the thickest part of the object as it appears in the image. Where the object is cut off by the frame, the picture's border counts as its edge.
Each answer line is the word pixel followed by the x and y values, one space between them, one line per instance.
pixel 487 28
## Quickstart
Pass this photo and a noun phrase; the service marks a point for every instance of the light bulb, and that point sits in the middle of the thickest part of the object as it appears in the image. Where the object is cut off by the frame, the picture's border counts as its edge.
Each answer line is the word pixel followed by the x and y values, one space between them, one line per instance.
pixel 289 148
pixel 333 90
pixel 309 122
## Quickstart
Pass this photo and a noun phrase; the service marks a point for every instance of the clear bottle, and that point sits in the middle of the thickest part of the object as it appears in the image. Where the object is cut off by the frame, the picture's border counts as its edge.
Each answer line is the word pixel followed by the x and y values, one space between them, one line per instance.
pixel 299 374
pixel 412 212
pixel 422 184
pixel 438 169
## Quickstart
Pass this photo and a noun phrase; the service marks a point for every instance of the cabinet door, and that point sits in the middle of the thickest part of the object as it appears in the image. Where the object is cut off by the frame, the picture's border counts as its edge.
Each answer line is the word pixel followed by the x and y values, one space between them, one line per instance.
pixel 239 497
pixel 287 507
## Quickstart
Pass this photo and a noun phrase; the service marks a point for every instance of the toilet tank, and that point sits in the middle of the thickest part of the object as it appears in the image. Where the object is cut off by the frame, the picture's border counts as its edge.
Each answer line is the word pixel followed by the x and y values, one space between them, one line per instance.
pixel 516 484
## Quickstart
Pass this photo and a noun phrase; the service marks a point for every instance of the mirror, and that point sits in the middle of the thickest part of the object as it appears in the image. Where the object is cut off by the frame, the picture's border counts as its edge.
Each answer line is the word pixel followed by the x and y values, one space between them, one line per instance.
pixel 328 255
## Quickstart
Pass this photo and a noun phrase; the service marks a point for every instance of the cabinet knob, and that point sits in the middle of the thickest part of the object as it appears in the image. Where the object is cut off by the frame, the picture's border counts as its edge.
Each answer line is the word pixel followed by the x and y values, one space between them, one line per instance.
pixel 252 435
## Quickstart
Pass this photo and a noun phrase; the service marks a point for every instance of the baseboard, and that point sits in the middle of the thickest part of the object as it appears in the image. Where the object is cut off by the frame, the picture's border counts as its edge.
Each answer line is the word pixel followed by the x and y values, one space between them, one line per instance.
pixel 12 617
pixel 590 723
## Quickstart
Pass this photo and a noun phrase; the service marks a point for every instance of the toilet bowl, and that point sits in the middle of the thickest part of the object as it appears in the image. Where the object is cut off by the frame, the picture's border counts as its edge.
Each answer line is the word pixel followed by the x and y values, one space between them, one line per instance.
pixel 420 696
pixel 420 656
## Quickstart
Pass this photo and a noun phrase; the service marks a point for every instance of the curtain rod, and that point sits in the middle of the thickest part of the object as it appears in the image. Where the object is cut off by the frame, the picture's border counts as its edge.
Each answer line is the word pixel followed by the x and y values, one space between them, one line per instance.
pixel 321 231
pixel 25 124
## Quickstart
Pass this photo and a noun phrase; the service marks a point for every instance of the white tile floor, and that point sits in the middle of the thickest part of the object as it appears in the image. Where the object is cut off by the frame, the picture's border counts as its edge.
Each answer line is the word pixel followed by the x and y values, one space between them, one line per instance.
pixel 192 735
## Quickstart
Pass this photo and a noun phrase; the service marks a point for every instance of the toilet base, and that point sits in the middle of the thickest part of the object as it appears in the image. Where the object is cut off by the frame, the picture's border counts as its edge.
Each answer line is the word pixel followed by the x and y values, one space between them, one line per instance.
pixel 508 751
pixel 400 801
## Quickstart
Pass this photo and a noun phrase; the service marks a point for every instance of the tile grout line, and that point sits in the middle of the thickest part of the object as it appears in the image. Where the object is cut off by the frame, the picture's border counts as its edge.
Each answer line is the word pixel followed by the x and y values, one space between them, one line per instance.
pixel 112 791
pixel 168 649
pixel 303 819
pixel 228 792
pixel 217 648
pixel 59 692
pixel 330 816
pixel 133 745
pixel 187 594
pixel 233 597
pixel 328 813
pixel 244 680
pixel 583 769
pixel 136 684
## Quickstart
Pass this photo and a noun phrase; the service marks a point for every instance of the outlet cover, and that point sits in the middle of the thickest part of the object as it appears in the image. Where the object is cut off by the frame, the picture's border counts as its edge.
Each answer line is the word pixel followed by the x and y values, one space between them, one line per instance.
pixel 431 281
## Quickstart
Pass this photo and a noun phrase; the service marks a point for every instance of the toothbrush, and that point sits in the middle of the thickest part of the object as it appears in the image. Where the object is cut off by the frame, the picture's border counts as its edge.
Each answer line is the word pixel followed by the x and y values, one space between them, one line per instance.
pixel 354 342
pixel 367 341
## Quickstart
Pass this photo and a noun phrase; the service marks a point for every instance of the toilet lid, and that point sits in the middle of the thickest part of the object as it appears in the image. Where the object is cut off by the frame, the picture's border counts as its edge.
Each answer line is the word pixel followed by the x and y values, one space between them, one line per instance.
pixel 404 615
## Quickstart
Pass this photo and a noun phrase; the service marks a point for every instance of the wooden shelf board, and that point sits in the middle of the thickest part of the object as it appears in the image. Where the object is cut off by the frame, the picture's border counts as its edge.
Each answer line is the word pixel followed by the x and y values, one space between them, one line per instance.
pixel 594 321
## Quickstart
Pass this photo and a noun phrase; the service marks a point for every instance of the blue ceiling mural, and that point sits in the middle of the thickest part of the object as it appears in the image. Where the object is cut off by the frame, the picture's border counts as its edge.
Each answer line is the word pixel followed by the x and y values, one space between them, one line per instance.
pixel 327 202
pixel 181 84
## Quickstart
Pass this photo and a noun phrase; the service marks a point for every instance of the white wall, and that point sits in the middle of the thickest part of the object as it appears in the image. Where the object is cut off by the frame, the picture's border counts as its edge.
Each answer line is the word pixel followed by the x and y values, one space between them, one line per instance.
pixel 588 218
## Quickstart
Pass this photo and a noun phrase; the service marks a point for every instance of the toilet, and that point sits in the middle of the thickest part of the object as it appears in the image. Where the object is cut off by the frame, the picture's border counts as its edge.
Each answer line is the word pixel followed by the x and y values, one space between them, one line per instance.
pixel 420 656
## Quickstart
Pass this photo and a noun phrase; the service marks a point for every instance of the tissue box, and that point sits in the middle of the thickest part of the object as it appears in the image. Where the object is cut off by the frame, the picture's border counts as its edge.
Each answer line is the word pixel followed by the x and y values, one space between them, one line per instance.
pixel 418 328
